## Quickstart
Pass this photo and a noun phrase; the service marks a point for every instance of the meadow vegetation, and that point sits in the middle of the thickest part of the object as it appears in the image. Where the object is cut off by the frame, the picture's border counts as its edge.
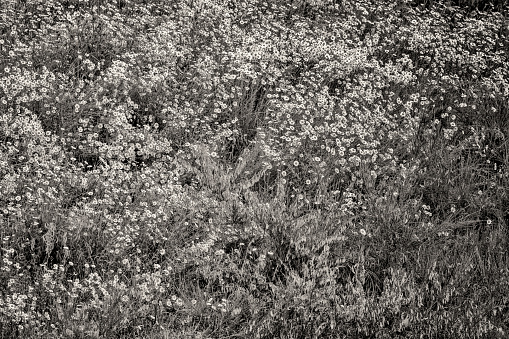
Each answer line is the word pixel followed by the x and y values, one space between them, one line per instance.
pixel 254 169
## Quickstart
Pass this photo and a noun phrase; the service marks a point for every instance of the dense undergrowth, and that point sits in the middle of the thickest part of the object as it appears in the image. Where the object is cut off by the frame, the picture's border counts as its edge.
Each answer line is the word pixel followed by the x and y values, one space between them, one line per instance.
pixel 254 169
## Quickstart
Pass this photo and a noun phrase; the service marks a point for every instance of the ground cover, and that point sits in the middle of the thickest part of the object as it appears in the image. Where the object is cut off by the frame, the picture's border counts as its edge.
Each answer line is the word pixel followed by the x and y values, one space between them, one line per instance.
pixel 254 169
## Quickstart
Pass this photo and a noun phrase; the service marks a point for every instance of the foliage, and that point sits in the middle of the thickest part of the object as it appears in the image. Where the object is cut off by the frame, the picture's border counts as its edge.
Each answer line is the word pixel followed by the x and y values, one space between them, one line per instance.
pixel 254 168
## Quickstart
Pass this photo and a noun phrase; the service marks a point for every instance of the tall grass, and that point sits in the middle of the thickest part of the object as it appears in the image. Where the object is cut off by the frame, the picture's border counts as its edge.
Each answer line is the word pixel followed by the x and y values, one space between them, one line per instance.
pixel 254 169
